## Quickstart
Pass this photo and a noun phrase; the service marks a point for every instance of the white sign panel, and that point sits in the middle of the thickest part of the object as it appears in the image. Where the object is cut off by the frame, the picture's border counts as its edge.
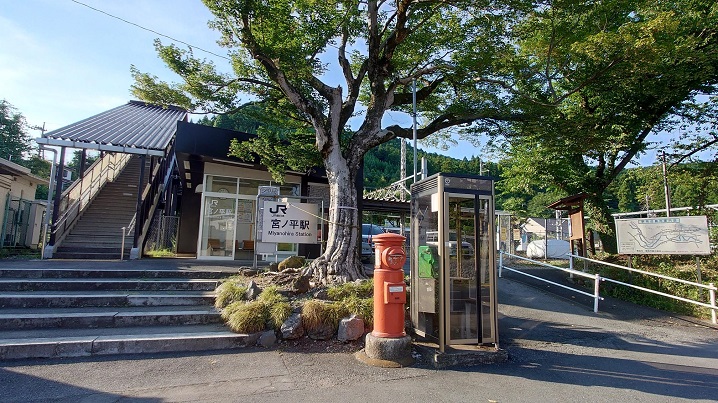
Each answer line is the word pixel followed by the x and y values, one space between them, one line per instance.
pixel 664 235
pixel 290 222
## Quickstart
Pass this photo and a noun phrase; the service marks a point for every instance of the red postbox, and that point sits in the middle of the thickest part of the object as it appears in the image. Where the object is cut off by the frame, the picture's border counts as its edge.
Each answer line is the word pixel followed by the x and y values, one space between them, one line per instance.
pixel 389 286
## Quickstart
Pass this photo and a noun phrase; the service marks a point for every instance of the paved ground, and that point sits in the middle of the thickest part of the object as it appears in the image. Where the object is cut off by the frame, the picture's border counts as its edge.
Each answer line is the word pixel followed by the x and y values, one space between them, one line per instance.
pixel 560 352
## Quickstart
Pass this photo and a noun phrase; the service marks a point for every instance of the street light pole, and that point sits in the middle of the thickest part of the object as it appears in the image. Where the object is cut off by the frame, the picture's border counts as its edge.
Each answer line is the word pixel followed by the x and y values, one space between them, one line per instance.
pixel 666 189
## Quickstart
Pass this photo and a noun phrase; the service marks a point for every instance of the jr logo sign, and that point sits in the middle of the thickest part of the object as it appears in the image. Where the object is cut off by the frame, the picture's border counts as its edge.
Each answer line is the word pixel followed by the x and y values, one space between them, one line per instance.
pixel 290 222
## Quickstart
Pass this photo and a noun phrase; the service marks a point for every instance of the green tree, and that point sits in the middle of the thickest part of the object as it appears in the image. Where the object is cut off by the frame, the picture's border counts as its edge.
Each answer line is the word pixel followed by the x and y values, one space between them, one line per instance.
pixel 14 140
pixel 605 77
pixel 281 52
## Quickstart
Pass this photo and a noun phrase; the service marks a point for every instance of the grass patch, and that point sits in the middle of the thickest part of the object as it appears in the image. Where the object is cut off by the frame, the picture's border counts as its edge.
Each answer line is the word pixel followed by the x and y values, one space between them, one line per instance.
pixel 229 292
pixel 160 253
pixel 363 289
pixel 278 313
pixel 249 317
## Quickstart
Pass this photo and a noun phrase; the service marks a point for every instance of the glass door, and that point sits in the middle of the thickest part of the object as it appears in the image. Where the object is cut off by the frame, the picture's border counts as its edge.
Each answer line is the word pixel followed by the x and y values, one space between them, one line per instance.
pixel 461 260
pixel 218 227
pixel 470 298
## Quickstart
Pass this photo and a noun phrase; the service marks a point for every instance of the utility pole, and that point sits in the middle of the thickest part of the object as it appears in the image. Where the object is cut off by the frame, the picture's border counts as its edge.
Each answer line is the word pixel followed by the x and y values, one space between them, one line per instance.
pixel 413 96
pixel 666 190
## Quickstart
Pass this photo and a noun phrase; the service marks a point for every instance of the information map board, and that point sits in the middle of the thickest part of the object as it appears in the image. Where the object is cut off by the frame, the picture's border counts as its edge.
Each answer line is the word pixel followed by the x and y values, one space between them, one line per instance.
pixel 663 236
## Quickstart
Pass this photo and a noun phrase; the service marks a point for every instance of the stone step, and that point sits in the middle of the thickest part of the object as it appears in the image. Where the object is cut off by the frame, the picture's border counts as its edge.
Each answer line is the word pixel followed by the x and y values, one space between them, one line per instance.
pixel 90 317
pixel 100 284
pixel 112 273
pixel 52 343
pixel 77 299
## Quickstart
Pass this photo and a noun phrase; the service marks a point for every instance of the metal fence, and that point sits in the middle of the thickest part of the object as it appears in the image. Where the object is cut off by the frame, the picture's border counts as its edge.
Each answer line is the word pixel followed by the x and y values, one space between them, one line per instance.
pixel 17 223
pixel 163 233
pixel 598 279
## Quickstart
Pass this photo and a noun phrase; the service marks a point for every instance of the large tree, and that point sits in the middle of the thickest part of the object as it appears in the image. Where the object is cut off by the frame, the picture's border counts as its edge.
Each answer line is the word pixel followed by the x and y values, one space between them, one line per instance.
pixel 14 140
pixel 605 79
pixel 281 54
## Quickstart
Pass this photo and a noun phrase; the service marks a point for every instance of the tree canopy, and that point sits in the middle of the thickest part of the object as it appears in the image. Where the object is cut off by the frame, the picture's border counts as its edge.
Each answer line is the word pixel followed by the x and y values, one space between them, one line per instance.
pixel 575 87
pixel 604 79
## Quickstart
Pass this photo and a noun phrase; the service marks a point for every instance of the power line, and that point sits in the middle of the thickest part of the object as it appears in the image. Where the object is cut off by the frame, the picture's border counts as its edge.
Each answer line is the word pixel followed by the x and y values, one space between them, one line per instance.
pixel 150 30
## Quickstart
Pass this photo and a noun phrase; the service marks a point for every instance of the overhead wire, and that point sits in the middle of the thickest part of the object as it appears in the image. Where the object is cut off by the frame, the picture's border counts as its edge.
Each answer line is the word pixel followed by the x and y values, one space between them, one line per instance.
pixel 151 30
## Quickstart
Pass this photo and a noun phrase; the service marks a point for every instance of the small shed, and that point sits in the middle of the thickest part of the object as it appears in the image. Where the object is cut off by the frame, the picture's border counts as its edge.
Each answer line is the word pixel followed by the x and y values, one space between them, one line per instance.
pixel 21 213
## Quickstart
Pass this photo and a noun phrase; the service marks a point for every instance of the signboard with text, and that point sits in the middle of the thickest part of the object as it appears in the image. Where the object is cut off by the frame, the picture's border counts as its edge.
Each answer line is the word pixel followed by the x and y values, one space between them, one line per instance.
pixel 663 235
pixel 290 222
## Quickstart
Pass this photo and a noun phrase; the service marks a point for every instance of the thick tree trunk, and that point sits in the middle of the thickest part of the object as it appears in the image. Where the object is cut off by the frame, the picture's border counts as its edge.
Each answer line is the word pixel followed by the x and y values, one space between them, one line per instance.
pixel 602 222
pixel 341 261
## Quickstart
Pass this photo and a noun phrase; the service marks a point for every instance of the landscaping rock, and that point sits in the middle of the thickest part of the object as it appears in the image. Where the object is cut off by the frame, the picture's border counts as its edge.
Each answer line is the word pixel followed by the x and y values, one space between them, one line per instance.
pixel 322 332
pixel 321 293
pixel 248 271
pixel 301 285
pixel 292 327
pixel 267 339
pixel 273 267
pixel 292 262
pixel 351 328
pixel 253 291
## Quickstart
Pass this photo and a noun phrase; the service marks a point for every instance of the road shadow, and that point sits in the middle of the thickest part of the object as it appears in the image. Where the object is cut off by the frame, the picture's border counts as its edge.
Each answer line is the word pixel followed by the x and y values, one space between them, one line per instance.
pixel 19 387
pixel 678 381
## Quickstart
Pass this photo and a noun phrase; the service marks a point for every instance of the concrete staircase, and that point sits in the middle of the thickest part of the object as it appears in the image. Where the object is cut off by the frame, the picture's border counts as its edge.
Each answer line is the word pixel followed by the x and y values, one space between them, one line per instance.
pixel 69 312
pixel 98 234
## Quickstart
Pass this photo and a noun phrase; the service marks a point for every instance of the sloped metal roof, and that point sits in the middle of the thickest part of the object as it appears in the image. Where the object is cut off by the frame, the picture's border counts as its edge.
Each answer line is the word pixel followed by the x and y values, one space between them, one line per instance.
pixel 134 128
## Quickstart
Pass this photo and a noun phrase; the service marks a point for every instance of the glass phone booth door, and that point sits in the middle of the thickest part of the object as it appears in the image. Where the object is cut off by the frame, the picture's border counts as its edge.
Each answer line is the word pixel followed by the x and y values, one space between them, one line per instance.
pixel 468 261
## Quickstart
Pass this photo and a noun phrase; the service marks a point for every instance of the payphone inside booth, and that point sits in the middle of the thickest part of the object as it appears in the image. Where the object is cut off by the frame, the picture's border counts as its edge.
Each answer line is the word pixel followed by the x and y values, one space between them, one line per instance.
pixel 453 262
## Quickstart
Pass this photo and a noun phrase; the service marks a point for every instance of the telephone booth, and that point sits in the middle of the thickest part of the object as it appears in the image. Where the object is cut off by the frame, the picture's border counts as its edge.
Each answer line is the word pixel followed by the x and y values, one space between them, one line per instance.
pixel 453 261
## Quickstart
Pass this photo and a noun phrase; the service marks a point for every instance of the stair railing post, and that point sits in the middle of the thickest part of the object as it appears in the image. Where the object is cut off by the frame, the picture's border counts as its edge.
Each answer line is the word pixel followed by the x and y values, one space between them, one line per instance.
pixel 122 250
pixel 58 196
pixel 139 221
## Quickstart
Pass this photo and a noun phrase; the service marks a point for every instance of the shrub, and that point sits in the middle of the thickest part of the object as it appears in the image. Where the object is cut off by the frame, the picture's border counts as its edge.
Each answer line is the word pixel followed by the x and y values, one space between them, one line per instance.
pixel 278 313
pixel 314 313
pixel 362 307
pixel 249 317
pixel 229 292
pixel 363 289
pixel 270 296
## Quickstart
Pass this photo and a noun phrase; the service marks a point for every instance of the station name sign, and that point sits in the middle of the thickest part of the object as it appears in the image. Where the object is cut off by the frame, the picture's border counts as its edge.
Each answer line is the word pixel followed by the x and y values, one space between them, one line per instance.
pixel 290 222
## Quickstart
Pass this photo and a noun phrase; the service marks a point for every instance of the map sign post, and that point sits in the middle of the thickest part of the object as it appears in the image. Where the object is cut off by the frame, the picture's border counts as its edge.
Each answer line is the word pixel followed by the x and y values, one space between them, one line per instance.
pixel 663 236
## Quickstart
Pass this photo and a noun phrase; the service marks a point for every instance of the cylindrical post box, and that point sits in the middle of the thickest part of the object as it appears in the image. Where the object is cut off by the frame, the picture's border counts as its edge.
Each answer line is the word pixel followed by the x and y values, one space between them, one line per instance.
pixel 389 286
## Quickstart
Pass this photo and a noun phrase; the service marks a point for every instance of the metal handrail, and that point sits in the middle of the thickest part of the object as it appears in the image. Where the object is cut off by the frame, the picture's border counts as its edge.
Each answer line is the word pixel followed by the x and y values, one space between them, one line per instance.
pixel 597 279
pixel 710 287
pixel 158 179
pixel 78 196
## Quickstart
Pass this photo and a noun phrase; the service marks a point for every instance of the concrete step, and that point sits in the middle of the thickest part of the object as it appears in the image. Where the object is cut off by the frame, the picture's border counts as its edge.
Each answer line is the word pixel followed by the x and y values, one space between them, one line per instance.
pixel 78 299
pixel 51 343
pixel 100 284
pixel 89 317
pixel 112 273
pixel 60 254
pixel 106 248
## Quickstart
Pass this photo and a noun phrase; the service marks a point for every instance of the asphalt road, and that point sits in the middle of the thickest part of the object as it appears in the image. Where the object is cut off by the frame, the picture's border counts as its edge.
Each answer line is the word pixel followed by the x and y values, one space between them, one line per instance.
pixel 560 351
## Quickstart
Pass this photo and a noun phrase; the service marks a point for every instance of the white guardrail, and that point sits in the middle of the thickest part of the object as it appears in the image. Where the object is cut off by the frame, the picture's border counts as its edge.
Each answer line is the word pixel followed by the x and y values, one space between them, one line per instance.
pixel 598 279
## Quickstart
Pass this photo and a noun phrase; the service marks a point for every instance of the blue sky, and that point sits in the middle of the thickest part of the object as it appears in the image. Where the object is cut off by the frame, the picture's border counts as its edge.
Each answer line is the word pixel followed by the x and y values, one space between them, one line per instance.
pixel 61 62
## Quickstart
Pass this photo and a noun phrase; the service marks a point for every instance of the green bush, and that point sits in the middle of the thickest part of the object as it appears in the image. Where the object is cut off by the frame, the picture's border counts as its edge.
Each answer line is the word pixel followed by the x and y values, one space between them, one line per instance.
pixel 249 317
pixel 278 313
pixel 229 292
pixel 364 289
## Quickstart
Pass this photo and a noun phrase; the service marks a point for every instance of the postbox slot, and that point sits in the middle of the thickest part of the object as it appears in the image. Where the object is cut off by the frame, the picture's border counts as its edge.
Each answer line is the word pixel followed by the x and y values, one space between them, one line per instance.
pixel 394 293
